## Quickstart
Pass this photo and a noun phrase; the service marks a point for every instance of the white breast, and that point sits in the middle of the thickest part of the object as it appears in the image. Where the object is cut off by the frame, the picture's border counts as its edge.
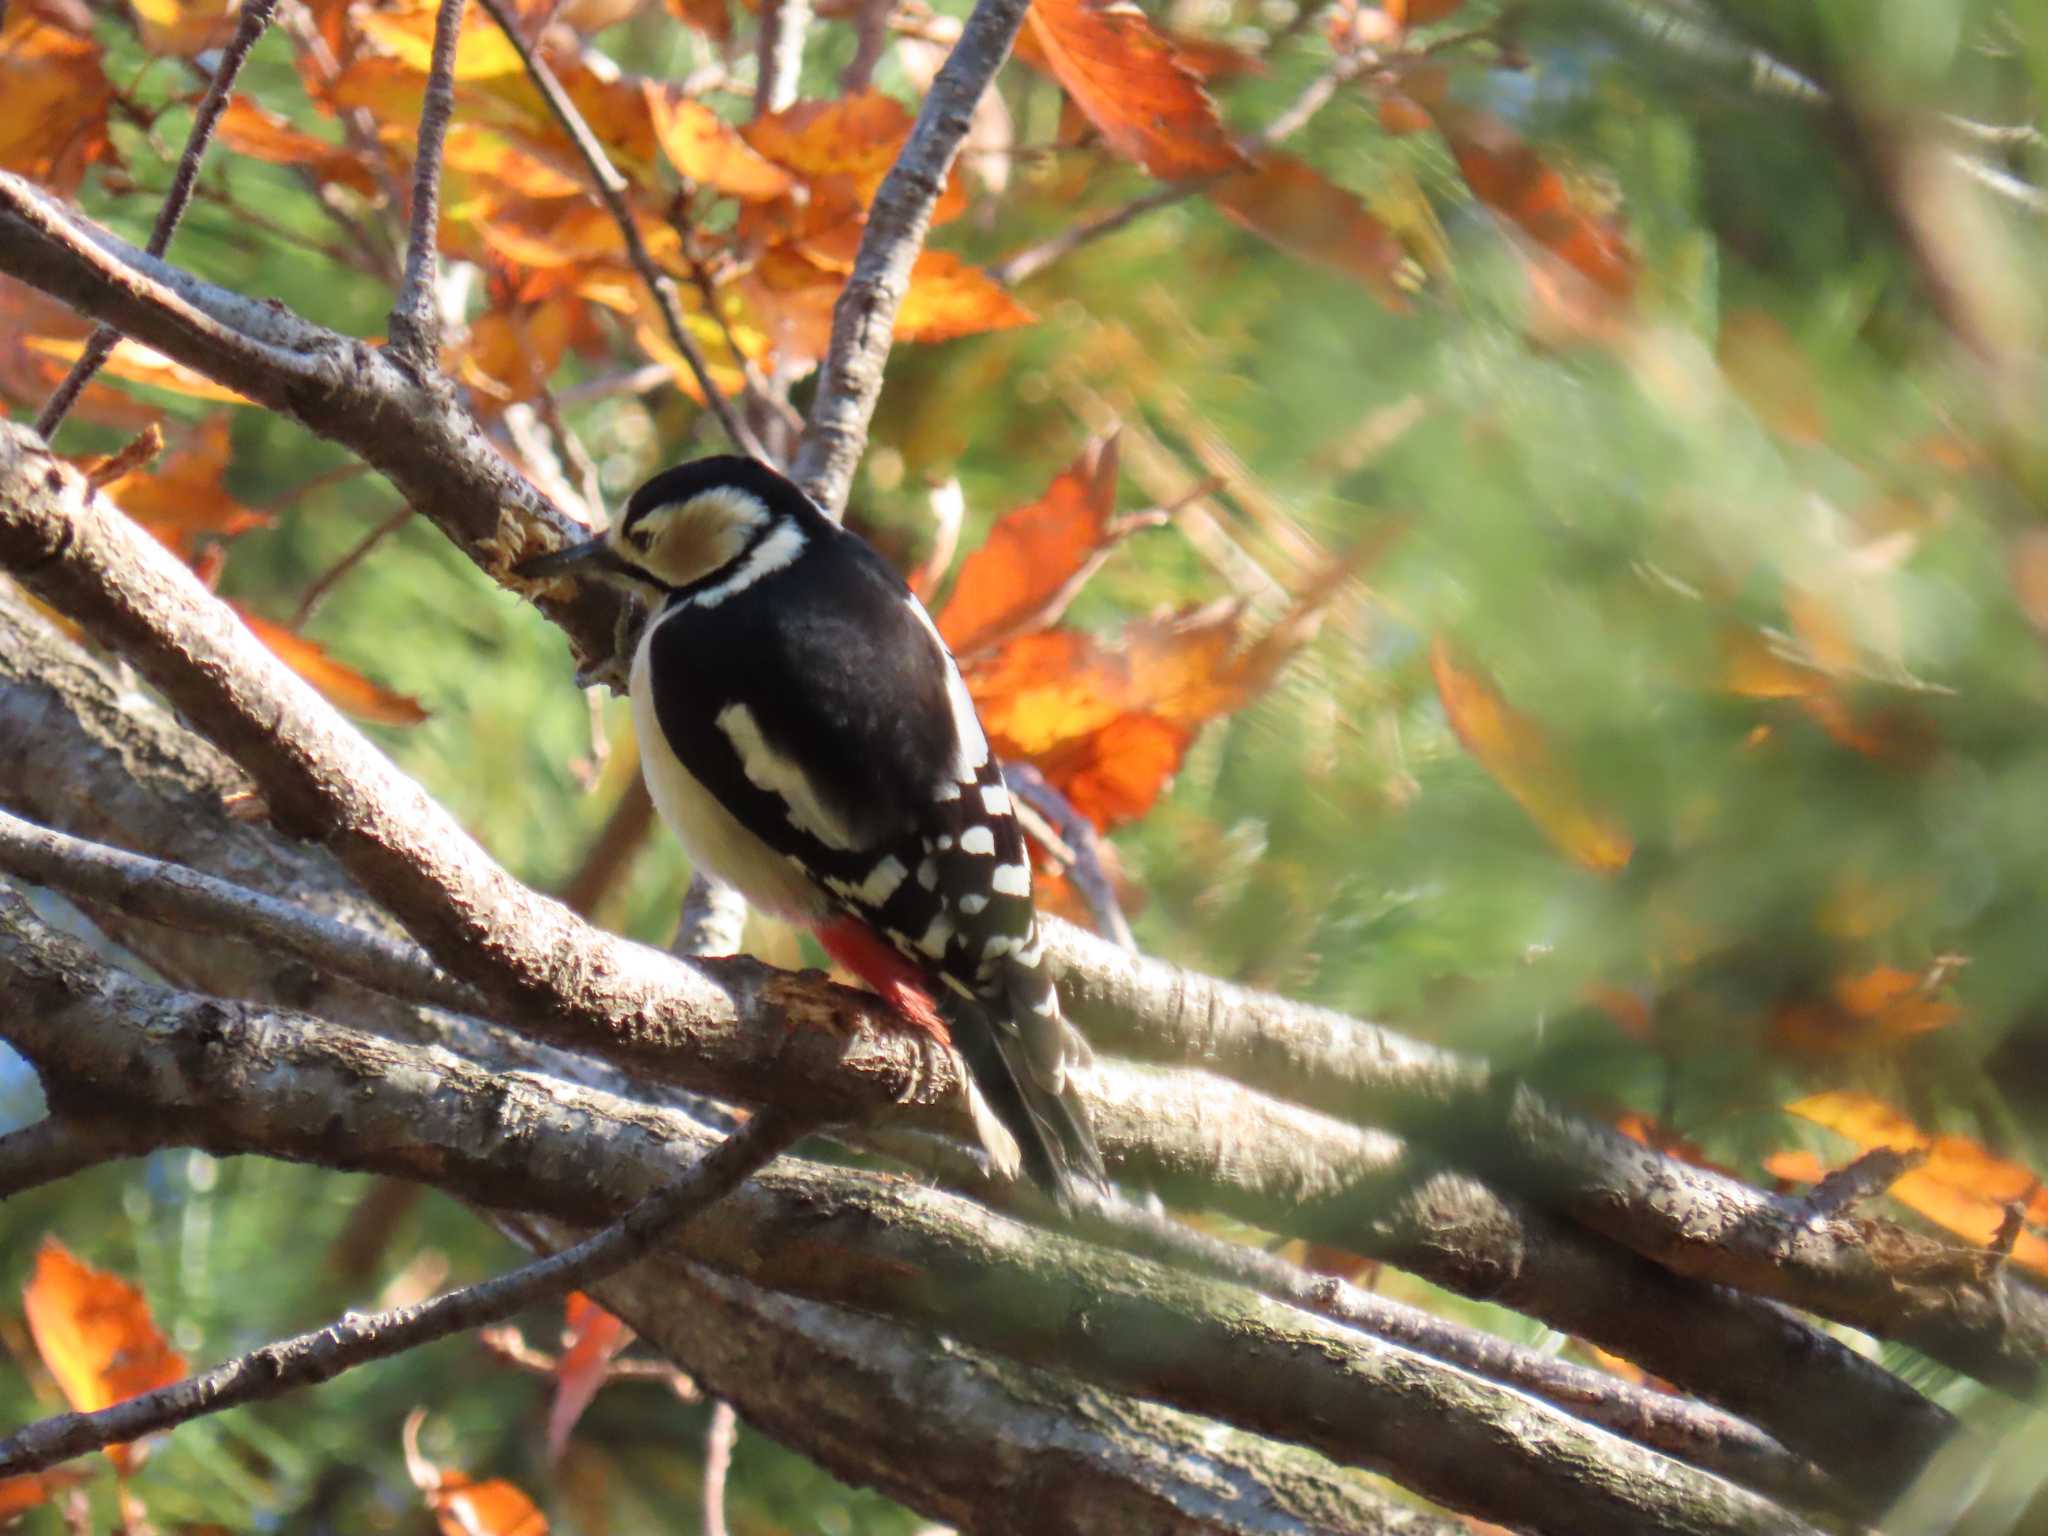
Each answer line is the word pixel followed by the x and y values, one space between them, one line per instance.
pixel 715 841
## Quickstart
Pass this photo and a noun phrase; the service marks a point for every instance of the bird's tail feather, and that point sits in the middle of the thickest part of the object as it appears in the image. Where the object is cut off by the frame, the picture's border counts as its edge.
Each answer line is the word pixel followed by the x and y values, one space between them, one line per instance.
pixel 1043 1120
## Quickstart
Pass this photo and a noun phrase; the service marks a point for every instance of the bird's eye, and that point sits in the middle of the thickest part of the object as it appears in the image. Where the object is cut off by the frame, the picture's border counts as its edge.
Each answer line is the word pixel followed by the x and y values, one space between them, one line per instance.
pixel 640 538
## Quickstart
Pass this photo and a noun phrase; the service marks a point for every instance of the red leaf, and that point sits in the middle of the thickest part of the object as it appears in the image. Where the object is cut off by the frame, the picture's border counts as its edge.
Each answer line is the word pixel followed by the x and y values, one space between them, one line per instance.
pixel 1125 75
pixel 95 1333
pixel 594 1336
pixel 1286 201
pixel 345 687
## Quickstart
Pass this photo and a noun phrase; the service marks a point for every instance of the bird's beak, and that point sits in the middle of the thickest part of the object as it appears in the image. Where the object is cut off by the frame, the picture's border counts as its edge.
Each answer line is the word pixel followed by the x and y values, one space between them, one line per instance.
pixel 593 557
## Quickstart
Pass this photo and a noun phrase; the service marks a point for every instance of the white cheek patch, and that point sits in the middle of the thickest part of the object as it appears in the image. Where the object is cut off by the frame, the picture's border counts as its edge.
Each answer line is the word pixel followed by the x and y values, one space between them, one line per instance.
pixel 971 747
pixel 978 840
pixel 772 554
pixel 783 777
pixel 1011 880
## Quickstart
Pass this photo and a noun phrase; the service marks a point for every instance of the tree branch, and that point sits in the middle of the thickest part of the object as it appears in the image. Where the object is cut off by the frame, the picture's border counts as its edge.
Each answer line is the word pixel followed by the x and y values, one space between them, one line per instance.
pixel 252 24
pixel 834 1235
pixel 779 54
pixel 416 314
pixel 864 319
pixel 182 898
pixel 1194 1137
pixel 356 1339
pixel 59 1145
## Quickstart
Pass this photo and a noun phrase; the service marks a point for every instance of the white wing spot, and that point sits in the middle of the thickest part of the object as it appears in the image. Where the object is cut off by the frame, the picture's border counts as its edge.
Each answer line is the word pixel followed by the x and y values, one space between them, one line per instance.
pixel 996 799
pixel 1011 880
pixel 973 903
pixel 934 941
pixel 881 882
pixel 945 842
pixel 947 790
pixel 768 769
pixel 997 946
pixel 974 840
pixel 928 874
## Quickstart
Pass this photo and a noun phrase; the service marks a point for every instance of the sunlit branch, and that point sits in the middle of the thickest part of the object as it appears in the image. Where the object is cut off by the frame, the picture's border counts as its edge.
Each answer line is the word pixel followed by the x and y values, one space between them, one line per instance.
pixel 416 314
pixel 864 318
pixel 779 54
pixel 253 22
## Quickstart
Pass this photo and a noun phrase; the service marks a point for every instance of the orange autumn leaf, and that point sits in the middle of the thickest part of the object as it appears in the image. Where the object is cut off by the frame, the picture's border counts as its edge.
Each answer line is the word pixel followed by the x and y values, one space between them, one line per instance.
pixel 856 137
pixel 180 498
pixel 345 687
pixel 250 130
pixel 704 147
pixel 482 51
pixel 491 157
pixel 708 16
pixel 57 94
pixel 1961 1185
pixel 593 1336
pixel 18 1495
pixel 137 364
pixel 1286 201
pixel 1419 13
pixel 184 27
pixel 512 349
pixel 948 298
pixel 1125 76
pixel 1507 175
pixel 1640 1128
pixel 1036 557
pixel 94 1332
pixel 1513 748
pixel 461 1505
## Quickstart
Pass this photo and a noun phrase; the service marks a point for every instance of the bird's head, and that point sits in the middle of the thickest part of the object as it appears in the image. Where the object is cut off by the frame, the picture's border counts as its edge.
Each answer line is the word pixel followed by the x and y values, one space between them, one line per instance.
pixel 684 525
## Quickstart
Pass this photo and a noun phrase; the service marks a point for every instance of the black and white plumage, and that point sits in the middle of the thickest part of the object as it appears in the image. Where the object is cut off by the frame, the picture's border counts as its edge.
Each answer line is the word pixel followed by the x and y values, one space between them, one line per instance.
pixel 809 739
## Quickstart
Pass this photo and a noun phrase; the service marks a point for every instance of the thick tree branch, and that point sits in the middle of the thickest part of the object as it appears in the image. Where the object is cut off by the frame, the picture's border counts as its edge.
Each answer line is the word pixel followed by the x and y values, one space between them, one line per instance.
pixel 837 1236
pixel 251 25
pixel 357 1339
pixel 864 319
pixel 1939 1297
pixel 59 1145
pixel 1748 1355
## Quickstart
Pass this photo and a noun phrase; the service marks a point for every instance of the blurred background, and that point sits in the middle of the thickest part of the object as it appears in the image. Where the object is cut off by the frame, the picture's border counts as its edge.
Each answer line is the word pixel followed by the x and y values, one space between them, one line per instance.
pixel 1593 617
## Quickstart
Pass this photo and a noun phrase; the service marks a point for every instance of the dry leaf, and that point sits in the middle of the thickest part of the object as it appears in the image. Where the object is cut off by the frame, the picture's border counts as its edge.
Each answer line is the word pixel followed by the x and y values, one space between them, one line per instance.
pixel 1962 1185
pixel 1286 201
pixel 1508 176
pixel 482 51
pixel 464 1507
pixel 138 364
pixel 54 123
pixel 1037 557
pixel 1124 74
pixel 250 130
pixel 94 1332
pixel 181 499
pixel 948 298
pixel 704 147
pixel 345 688
pixel 184 27
pixel 593 1336
pixel 1514 749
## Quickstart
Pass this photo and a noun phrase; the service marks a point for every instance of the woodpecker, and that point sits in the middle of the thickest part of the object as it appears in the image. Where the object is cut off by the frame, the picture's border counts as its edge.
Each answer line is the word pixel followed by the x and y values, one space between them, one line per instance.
pixel 808 738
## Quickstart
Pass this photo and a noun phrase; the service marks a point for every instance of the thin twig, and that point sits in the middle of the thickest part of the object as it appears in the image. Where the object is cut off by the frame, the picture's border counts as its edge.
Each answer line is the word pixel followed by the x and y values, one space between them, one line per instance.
pixel 416 316
pixel 355 1339
pixel 178 897
pixel 333 576
pixel 719 1436
pixel 779 54
pixel 871 26
pixel 864 319
pixel 57 1146
pixel 255 19
pixel 612 188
